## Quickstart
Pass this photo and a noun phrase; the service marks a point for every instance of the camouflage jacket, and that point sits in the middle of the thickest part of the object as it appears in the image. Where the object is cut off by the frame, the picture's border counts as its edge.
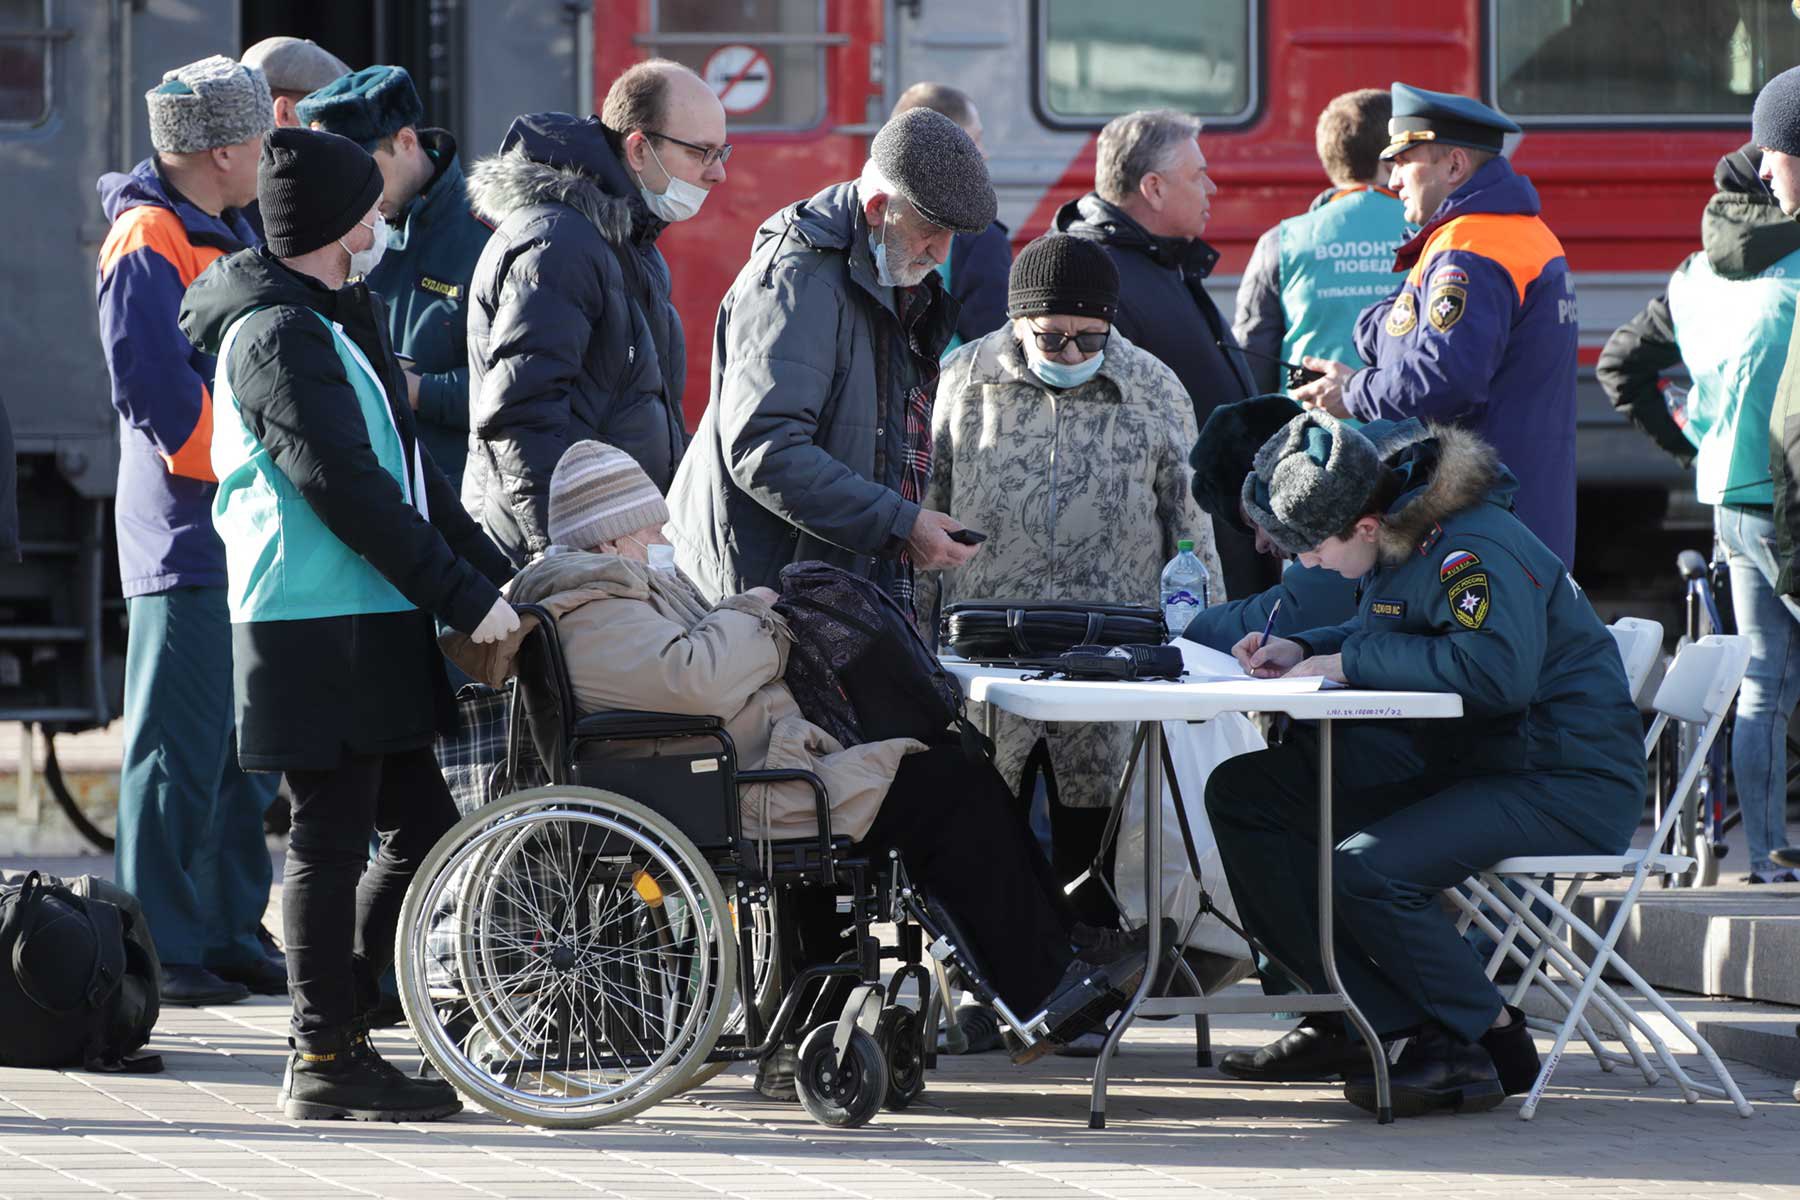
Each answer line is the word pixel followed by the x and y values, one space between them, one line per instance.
pixel 1083 494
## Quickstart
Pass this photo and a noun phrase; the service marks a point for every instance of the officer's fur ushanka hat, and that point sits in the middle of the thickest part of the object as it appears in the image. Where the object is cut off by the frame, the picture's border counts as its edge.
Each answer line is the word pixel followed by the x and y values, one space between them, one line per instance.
pixel 1310 480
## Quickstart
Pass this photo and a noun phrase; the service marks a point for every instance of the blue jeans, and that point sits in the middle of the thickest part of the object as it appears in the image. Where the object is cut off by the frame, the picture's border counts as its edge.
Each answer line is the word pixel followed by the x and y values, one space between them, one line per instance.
pixel 1771 685
pixel 190 837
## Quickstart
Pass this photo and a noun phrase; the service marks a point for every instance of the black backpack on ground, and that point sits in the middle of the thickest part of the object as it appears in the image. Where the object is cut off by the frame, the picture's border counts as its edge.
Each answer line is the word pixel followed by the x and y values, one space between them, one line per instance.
pixel 79 976
pixel 858 669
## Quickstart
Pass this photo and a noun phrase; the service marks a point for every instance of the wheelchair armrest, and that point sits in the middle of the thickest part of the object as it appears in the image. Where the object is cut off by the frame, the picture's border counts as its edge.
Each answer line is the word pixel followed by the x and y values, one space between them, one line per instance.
pixel 624 723
pixel 821 801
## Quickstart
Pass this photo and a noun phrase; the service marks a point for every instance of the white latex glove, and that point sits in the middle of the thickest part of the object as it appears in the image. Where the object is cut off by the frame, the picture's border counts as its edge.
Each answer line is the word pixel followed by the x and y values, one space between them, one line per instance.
pixel 500 621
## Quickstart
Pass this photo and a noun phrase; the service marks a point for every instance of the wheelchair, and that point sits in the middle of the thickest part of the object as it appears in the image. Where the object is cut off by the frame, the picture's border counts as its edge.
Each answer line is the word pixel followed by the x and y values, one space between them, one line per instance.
pixel 574 952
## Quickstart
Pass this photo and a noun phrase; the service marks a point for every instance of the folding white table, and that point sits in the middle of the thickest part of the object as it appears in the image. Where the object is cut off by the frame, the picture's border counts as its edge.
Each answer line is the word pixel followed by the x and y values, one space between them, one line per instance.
pixel 1150 703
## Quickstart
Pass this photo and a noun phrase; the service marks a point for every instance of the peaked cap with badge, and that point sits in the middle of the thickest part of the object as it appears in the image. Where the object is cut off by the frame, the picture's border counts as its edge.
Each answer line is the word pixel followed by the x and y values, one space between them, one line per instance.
pixel 1443 119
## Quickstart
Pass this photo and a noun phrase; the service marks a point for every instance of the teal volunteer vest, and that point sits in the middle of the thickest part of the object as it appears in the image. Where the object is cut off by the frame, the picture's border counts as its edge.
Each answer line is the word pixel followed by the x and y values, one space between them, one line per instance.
pixel 1336 261
pixel 282 563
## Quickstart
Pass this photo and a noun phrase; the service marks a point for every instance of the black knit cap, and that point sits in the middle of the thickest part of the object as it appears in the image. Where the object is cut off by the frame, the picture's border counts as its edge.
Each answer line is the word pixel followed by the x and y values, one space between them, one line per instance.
pixel 1775 120
pixel 1063 275
pixel 314 187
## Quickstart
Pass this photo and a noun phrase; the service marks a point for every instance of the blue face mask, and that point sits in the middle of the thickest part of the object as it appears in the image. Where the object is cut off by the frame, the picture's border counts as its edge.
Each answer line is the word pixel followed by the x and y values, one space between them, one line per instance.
pixel 878 250
pixel 1065 375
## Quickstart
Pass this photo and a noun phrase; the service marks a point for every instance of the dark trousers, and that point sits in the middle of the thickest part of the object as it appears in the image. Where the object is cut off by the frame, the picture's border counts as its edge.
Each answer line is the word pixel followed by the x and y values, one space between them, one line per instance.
pixel 1404 833
pixel 339 906
pixel 965 844
pixel 190 833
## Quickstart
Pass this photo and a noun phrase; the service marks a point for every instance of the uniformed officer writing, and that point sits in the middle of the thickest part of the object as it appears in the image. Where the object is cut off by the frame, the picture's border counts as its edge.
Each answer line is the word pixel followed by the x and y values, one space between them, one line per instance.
pixel 1482 332
pixel 1456 596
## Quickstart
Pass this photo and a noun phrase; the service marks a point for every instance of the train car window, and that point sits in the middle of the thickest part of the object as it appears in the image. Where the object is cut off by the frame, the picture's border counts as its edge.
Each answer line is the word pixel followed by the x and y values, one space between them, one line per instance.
pixel 1095 61
pixel 1623 61
pixel 24 62
pixel 764 58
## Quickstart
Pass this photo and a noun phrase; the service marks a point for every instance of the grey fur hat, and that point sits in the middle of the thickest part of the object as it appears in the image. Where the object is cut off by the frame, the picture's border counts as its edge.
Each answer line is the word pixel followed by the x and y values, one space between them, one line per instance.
pixel 213 102
pixel 1310 480
pixel 937 167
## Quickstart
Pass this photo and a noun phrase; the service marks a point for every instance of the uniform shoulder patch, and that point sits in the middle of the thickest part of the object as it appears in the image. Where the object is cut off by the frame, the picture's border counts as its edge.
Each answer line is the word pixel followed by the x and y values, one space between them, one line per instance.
pixel 1455 563
pixel 1449 275
pixel 1470 600
pixel 1444 307
pixel 1403 317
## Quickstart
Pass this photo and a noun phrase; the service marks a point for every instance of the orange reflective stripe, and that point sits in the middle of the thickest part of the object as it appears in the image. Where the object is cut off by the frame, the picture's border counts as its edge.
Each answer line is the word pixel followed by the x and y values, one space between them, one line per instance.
pixel 148 227
pixel 194 459
pixel 1521 245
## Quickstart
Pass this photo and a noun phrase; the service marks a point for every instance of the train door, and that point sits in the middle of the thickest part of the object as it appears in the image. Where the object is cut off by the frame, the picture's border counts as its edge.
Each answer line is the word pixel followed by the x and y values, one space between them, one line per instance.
pixel 801 82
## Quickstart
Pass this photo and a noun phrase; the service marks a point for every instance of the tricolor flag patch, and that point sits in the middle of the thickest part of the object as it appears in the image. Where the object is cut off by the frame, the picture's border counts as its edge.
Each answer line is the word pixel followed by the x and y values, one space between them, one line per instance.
pixel 1454 564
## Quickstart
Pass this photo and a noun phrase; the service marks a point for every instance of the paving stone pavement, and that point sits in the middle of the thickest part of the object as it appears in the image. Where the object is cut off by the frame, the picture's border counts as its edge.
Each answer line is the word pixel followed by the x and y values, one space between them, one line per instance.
pixel 984 1128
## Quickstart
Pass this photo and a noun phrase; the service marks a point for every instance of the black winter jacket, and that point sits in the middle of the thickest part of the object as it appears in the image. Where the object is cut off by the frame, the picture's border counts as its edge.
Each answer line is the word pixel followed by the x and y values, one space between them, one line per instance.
pixel 310 690
pixel 572 333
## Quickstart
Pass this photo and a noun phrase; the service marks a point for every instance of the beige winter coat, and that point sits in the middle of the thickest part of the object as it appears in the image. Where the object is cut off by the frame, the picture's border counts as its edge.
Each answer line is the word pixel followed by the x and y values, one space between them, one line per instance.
pixel 1083 494
pixel 641 639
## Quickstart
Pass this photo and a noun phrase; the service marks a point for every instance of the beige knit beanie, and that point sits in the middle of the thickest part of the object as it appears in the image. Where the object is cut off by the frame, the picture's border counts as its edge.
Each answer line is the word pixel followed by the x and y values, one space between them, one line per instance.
pixel 598 493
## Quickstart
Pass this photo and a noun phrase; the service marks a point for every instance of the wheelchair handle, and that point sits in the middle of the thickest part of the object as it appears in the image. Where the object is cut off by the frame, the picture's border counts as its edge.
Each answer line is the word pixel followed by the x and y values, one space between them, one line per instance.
pixel 1691 564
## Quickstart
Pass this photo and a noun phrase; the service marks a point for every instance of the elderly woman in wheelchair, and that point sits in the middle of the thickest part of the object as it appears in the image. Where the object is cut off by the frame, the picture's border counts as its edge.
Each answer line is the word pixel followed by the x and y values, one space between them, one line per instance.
pixel 594 954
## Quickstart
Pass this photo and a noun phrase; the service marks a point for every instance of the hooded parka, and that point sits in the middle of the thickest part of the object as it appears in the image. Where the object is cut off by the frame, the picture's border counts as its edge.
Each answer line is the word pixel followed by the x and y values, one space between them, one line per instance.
pixel 572 332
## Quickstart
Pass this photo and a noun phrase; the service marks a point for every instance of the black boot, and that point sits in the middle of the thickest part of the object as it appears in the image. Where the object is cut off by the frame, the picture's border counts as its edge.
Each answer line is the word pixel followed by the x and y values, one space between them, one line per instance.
pixel 357 1084
pixel 1437 1072
pixel 1087 995
pixel 1514 1053
pixel 1315 1049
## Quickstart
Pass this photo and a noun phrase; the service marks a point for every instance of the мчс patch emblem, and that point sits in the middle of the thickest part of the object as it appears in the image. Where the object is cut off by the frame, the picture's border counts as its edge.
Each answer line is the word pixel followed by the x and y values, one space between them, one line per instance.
pixel 1469 602
pixel 1455 563
pixel 1445 306
pixel 1402 318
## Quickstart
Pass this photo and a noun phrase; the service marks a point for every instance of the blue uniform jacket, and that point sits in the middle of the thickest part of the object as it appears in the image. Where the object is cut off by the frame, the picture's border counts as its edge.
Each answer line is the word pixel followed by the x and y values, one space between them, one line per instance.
pixel 1309 596
pixel 424 277
pixel 1465 599
pixel 159 243
pixel 1483 333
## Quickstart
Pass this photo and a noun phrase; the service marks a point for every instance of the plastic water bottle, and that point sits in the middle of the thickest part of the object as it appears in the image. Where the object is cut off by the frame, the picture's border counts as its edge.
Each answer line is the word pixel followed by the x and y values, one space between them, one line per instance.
pixel 1183 588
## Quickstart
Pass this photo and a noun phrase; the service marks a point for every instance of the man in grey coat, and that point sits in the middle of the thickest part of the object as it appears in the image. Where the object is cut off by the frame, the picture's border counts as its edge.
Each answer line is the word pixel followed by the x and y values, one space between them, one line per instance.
pixel 816 442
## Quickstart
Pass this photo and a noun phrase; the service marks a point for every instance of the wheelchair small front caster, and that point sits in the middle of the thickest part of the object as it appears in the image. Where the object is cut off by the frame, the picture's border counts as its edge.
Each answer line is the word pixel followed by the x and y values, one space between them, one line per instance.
pixel 841 1096
pixel 897 1032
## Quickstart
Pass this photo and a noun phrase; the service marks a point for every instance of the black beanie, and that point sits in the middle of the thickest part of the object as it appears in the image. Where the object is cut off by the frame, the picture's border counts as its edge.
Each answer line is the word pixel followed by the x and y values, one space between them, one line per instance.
pixel 1775 121
pixel 314 187
pixel 1063 275
pixel 1222 455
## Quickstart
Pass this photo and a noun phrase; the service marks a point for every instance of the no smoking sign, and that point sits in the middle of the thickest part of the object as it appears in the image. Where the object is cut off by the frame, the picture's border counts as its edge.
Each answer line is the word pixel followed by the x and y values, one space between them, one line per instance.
pixel 740 76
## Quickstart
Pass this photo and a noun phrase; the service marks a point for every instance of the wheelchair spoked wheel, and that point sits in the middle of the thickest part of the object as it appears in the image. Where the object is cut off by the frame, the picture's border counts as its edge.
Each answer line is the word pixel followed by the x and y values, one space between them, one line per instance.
pixel 766 981
pixel 899 1033
pixel 592 952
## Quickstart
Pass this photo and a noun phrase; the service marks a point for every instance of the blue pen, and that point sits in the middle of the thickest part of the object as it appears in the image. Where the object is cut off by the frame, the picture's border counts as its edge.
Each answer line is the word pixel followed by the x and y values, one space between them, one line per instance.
pixel 1269 624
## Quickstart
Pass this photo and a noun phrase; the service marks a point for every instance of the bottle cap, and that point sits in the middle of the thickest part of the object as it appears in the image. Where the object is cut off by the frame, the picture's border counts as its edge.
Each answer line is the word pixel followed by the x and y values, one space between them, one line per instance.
pixel 1185 544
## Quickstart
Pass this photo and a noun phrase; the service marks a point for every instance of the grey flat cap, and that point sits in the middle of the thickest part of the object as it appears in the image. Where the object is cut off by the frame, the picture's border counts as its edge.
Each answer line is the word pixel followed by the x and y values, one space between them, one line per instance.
pixel 937 167
pixel 210 103
pixel 1310 480
pixel 294 64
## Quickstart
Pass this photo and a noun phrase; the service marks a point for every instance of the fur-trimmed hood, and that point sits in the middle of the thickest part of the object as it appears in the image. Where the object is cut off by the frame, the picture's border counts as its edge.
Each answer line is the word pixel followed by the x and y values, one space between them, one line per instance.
pixel 555 158
pixel 1447 470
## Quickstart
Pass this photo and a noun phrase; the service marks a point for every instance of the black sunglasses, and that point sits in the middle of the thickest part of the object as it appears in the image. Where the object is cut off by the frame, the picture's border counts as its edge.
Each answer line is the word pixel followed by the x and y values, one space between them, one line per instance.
pixel 708 154
pixel 1051 341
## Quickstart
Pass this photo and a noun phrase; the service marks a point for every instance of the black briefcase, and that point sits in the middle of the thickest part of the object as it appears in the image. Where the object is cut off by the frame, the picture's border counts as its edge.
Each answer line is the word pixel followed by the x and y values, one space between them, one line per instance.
pixel 989 630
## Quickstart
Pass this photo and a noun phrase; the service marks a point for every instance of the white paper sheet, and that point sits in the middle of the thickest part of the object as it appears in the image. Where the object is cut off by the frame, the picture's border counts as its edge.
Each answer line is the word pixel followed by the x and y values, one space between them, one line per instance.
pixel 1206 665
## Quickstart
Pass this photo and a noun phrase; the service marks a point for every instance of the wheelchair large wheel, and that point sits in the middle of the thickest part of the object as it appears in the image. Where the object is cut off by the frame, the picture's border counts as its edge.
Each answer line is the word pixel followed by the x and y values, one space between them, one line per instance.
pixel 565 957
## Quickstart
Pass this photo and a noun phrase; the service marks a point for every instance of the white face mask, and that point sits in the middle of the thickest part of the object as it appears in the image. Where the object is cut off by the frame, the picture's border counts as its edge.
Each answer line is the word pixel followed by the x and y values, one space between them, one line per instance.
pixel 363 261
pixel 676 202
pixel 660 555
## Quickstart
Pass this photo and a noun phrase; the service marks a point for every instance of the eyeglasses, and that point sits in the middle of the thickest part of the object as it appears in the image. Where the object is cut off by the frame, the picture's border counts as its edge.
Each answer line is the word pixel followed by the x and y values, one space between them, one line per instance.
pixel 1051 341
pixel 708 154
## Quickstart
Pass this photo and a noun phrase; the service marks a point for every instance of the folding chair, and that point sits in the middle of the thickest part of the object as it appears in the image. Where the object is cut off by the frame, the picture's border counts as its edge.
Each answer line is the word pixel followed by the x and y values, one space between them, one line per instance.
pixel 1698 689
pixel 1640 642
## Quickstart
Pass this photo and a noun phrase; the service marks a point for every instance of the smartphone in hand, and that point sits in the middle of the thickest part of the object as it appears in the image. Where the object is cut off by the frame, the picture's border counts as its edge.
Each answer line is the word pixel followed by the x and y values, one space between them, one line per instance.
pixel 968 537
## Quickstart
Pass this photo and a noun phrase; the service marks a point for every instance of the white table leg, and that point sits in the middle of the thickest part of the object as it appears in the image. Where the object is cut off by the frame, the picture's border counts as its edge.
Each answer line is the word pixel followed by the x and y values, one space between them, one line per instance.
pixel 1153 899
pixel 1327 932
